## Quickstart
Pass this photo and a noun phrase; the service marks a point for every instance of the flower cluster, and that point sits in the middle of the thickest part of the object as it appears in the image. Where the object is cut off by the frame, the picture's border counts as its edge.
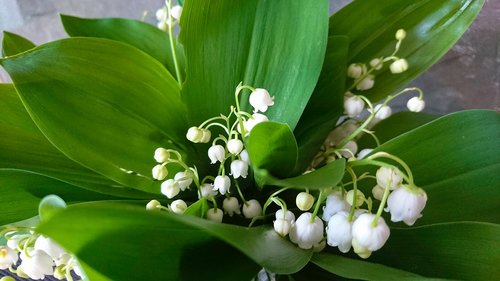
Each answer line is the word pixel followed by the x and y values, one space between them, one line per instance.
pixel 168 16
pixel 39 255
pixel 227 150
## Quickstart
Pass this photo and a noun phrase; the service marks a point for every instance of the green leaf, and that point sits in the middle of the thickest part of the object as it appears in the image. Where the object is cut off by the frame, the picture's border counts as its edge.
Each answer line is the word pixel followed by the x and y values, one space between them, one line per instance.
pixel 22 192
pixel 326 103
pixel 432 27
pixel 326 176
pixel 272 146
pixel 197 209
pixel 14 44
pixel 24 147
pixel 461 250
pixel 168 244
pixel 455 159
pixel 362 270
pixel 256 42
pixel 104 104
pixel 49 206
pixel 139 34
pixel 394 126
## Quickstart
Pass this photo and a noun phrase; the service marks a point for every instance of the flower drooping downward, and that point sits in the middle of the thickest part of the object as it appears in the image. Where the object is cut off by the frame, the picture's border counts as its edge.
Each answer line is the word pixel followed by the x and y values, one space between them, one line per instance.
pixel 307 232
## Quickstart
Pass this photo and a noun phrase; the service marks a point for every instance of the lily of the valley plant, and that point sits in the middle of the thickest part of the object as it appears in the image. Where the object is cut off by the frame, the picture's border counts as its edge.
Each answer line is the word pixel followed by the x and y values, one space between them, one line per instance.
pixel 258 143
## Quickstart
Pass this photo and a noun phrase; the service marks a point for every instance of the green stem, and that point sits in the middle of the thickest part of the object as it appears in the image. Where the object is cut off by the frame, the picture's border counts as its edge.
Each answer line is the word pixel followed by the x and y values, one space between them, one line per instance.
pixel 398 160
pixel 369 161
pixel 172 44
pixel 355 197
pixel 239 192
pixel 382 203
pixel 318 204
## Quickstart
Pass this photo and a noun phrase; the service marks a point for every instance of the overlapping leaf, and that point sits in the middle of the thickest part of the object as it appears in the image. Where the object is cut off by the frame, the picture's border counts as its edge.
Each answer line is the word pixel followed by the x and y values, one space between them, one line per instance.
pixel 14 44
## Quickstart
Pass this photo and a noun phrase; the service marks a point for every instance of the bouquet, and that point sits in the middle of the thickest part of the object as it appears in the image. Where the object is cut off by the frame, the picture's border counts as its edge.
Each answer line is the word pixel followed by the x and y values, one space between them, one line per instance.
pixel 257 143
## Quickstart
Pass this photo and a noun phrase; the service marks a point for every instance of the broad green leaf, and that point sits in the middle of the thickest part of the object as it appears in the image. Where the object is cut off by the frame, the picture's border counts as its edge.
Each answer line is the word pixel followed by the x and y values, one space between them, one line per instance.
pixel 460 250
pixel 24 147
pixel 272 147
pixel 362 270
pixel 455 159
pixel 14 44
pixel 198 209
pixel 168 243
pixel 256 42
pixel 22 192
pixel 326 103
pixel 394 126
pixel 104 104
pixel 139 34
pixel 432 27
pixel 326 176
pixel 49 206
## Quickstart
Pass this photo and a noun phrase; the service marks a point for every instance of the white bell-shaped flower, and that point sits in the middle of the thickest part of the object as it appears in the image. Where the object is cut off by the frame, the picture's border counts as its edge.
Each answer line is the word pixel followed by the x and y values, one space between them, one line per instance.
pixel 244 156
pixel 406 205
pixel 282 226
pixel 37 265
pixel 216 153
pixel 254 120
pixel 415 104
pixel 176 12
pixel 389 177
pixel 339 232
pixel 222 184
pixel 355 70
pixel 161 14
pixel 363 153
pixel 288 216
pixel 183 179
pixel 251 209
pixel 398 66
pixel 239 168
pixel 194 134
pixel 231 206
pixel 260 100
pixel 366 237
pixel 377 63
pixel 151 206
pixel 8 257
pixel 382 112
pixel 353 106
pixel 207 191
pixel 215 215
pixel 306 232
pixel 367 83
pixel 178 206
pixel 335 203
pixel 49 246
pixel 161 155
pixel 304 201
pixel 159 172
pixel 13 242
pixel 170 188
pixel 234 146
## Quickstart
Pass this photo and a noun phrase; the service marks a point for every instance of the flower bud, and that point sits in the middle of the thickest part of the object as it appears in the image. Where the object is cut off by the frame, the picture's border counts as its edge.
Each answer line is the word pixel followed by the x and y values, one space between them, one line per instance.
pixel 239 168
pixel 415 104
pixel 214 215
pixel 254 120
pixel 222 184
pixel 216 153
pixel 360 198
pixel 378 192
pixel 399 66
pixel 260 100
pixel 363 153
pixel 153 205
pixel 306 232
pixel 194 134
pixel 170 188
pixel 234 146
pixel 334 203
pixel 178 206
pixel 304 201
pixel 205 135
pixel 367 83
pixel 161 155
pixel 382 112
pixel 207 191
pixel 282 226
pixel 338 232
pixel 351 147
pixel 159 172
pixel 162 25
pixel 8 257
pixel 252 209
pixel 406 205
pixel 377 63
pixel 161 14
pixel 176 12
pixel 183 179
pixel 231 206
pixel 389 177
pixel 244 156
pixel 355 70
pixel 8 278
pixel 353 106
pixel 367 238
pixel 400 34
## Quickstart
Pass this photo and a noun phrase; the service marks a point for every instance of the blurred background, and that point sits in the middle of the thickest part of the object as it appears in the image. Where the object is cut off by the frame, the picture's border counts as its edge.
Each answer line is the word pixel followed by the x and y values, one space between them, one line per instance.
pixel 468 76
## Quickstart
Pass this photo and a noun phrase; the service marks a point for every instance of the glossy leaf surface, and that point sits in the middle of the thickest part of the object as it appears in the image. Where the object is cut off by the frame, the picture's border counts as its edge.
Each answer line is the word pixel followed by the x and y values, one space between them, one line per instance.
pixel 14 44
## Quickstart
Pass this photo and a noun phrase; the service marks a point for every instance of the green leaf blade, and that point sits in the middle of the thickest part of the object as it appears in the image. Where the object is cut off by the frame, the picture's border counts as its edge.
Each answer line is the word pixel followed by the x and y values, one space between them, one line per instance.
pixel 14 44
